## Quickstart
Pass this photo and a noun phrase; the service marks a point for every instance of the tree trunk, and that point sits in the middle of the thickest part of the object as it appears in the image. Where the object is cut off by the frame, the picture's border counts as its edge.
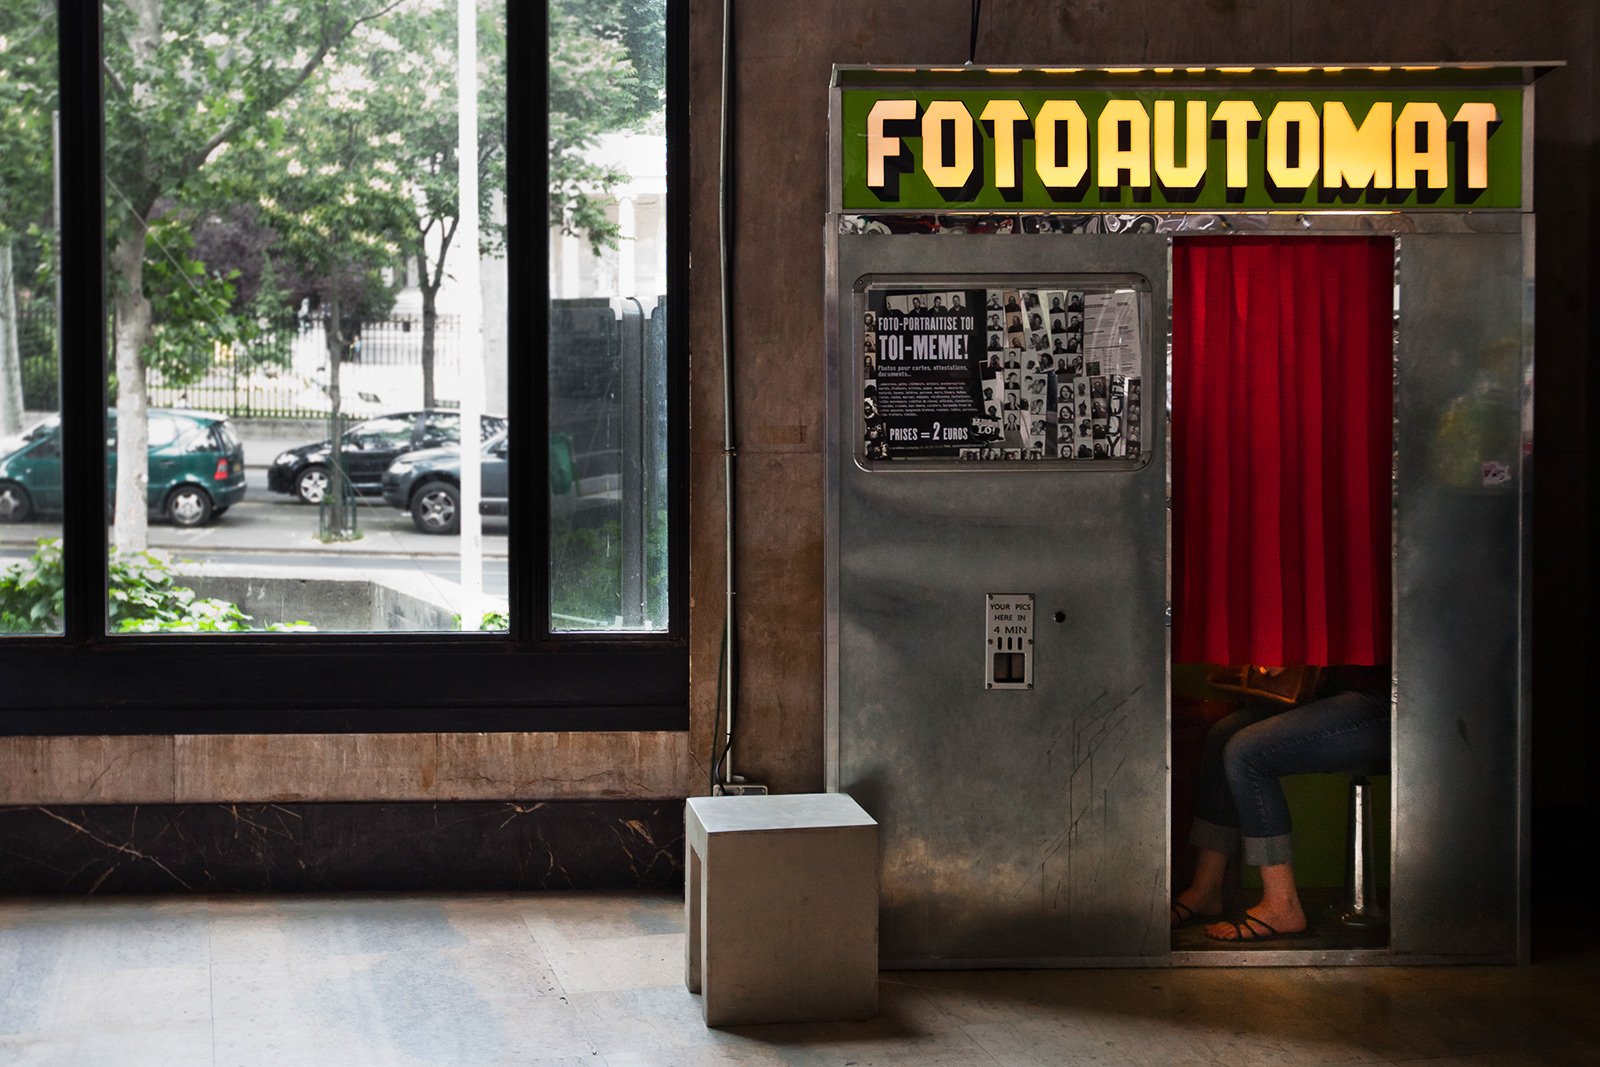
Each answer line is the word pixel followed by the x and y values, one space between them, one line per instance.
pixel 130 532
pixel 338 522
pixel 11 400
pixel 430 330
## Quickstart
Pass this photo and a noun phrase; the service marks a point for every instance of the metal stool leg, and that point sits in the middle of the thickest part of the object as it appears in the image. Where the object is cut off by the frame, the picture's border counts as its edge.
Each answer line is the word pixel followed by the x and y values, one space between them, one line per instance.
pixel 1361 908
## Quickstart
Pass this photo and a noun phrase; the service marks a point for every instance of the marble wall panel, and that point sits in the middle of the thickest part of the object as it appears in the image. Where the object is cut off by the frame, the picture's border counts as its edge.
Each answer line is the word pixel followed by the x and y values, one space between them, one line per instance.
pixel 504 845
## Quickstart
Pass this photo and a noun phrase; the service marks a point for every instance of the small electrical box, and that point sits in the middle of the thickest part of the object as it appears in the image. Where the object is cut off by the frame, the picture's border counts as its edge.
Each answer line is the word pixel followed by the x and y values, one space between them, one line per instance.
pixel 1008 649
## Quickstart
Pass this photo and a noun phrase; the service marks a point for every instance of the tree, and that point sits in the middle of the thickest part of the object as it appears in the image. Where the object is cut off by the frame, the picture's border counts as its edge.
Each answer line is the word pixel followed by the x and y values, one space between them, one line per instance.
pixel 415 106
pixel 324 173
pixel 187 82
pixel 27 97
pixel 607 74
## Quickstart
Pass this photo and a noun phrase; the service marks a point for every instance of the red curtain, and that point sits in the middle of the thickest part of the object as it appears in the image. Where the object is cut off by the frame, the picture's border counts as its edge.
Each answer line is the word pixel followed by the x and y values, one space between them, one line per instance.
pixel 1282 412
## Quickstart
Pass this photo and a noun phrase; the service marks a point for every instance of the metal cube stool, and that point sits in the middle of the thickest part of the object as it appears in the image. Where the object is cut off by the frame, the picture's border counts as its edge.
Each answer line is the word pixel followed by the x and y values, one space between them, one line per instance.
pixel 782 908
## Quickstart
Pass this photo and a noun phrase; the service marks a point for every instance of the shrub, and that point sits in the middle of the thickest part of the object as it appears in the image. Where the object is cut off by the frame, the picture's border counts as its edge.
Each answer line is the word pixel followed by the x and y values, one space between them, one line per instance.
pixel 143 596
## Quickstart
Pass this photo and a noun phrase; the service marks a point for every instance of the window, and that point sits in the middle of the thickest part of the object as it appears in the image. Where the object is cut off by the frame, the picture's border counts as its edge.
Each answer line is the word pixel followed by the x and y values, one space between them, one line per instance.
pixel 30 446
pixel 298 269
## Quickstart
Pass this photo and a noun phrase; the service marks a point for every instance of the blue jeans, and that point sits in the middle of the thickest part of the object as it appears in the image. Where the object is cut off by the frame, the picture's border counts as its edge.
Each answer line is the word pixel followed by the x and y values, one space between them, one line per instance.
pixel 1238 794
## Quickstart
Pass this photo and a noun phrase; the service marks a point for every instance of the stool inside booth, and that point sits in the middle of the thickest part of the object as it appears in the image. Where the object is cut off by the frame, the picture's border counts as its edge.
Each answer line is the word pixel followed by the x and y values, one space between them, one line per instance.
pixel 1282 450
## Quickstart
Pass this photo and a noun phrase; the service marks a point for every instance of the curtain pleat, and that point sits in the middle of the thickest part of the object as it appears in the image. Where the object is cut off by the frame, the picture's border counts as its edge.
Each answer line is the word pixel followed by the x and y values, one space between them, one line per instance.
pixel 1282 415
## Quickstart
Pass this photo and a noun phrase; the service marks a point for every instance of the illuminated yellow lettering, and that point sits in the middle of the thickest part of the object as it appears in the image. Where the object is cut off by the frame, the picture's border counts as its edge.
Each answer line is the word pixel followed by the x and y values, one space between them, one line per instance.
pixel 1358 157
pixel 1193 171
pixel 945 173
pixel 1061 122
pixel 1477 118
pixel 1236 116
pixel 1113 159
pixel 1003 115
pixel 1303 171
pixel 880 146
pixel 1408 160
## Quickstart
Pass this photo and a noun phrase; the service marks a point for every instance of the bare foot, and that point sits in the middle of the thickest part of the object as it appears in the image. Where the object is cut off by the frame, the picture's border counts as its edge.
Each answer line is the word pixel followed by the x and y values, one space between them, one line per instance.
pixel 1261 923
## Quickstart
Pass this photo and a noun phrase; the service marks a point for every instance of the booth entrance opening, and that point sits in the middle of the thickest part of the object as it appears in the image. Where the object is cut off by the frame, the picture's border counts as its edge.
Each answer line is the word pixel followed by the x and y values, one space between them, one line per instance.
pixel 1282 450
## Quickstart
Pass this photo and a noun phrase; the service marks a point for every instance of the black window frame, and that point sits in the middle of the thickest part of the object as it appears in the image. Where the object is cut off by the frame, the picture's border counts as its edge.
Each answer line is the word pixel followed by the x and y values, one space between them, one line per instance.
pixel 530 679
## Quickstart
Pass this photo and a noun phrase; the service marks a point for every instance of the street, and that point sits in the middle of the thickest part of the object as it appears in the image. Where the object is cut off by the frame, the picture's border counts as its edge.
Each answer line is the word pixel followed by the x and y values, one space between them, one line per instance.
pixel 275 529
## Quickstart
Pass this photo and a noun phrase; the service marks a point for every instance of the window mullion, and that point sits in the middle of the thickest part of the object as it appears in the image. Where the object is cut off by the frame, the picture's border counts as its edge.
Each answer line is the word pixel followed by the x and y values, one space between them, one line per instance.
pixel 678 446
pixel 81 228
pixel 528 363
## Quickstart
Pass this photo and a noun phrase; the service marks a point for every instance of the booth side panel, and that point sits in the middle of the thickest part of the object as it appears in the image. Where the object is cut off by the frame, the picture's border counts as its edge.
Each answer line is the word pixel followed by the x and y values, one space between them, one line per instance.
pixel 1459 772
pixel 1023 825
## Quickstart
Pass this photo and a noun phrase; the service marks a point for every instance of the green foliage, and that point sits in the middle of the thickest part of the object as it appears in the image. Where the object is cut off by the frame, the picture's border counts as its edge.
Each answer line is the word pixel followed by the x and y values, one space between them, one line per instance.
pixel 607 75
pixel 32 592
pixel 27 96
pixel 193 309
pixel 143 597
pixel 189 81
pixel 41 382
pixel 492 620
pixel 586 572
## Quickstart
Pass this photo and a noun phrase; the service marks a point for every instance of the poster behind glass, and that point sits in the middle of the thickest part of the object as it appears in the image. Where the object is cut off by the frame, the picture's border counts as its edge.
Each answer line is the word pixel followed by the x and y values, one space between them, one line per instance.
pixel 1003 373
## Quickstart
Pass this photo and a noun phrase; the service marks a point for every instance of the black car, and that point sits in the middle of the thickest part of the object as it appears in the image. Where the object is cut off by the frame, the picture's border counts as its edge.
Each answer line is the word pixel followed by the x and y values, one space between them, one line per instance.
pixel 369 448
pixel 428 484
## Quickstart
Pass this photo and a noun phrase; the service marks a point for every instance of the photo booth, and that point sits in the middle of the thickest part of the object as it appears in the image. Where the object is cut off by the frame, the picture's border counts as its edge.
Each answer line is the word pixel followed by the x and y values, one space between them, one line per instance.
pixel 1017 261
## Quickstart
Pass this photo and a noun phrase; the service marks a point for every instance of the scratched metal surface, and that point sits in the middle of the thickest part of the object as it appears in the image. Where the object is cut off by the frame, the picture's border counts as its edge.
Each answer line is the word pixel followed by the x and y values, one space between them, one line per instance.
pixel 1460 781
pixel 1016 826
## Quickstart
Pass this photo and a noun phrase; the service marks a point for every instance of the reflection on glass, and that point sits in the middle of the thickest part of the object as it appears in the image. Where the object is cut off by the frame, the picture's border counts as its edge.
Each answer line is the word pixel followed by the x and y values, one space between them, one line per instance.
pixel 608 213
pixel 30 442
pixel 287 354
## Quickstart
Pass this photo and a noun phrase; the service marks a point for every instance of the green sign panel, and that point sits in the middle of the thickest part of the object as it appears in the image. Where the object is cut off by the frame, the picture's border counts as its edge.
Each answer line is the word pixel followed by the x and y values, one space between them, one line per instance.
pixel 1029 149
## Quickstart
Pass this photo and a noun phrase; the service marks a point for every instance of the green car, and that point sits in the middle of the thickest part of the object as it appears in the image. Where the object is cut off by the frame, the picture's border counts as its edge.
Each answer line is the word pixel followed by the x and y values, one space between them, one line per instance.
pixel 196 468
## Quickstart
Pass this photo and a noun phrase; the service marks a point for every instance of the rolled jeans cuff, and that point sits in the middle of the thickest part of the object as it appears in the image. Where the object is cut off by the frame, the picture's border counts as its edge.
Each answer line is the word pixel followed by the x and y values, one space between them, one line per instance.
pixel 1210 835
pixel 1268 851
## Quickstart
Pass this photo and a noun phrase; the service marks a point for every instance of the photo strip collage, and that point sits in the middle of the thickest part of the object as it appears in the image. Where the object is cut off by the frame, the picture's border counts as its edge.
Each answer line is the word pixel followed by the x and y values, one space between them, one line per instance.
pixel 1038 383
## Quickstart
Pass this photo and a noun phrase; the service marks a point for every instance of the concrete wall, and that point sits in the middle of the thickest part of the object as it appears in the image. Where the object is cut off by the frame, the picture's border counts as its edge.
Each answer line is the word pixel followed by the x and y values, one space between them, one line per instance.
pixel 783 57
pixel 335 601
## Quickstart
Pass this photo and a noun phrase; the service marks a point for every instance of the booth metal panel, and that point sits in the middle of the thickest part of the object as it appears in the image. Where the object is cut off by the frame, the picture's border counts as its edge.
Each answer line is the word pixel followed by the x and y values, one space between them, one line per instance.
pixel 1463 400
pixel 1024 825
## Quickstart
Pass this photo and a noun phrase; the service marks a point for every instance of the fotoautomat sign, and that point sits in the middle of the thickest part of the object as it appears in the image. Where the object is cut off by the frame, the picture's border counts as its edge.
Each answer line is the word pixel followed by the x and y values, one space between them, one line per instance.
pixel 1023 149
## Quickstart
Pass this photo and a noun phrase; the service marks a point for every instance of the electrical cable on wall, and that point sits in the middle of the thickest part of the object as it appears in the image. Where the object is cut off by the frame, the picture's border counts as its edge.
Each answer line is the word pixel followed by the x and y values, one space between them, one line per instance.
pixel 727 698
pixel 727 667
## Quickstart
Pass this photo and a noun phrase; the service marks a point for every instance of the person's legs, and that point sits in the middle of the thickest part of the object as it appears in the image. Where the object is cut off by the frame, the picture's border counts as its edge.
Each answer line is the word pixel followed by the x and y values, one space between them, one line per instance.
pixel 1344 732
pixel 1215 829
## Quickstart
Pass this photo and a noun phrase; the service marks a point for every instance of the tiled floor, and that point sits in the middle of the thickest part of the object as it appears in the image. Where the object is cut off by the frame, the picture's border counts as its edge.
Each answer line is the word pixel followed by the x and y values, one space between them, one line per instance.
pixel 597 979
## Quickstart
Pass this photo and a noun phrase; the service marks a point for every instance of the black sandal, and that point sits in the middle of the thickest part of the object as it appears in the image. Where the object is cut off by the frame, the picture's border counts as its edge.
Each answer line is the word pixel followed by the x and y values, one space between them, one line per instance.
pixel 1185 916
pixel 1252 929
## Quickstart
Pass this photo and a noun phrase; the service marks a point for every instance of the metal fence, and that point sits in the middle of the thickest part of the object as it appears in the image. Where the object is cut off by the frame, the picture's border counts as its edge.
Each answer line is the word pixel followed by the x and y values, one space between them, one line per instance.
pixel 36 351
pixel 286 375
pixel 281 374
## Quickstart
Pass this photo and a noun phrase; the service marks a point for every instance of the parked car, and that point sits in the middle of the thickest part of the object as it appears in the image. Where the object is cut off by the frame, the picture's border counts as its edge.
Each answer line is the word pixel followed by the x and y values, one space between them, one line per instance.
pixel 196 468
pixel 428 485
pixel 368 447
